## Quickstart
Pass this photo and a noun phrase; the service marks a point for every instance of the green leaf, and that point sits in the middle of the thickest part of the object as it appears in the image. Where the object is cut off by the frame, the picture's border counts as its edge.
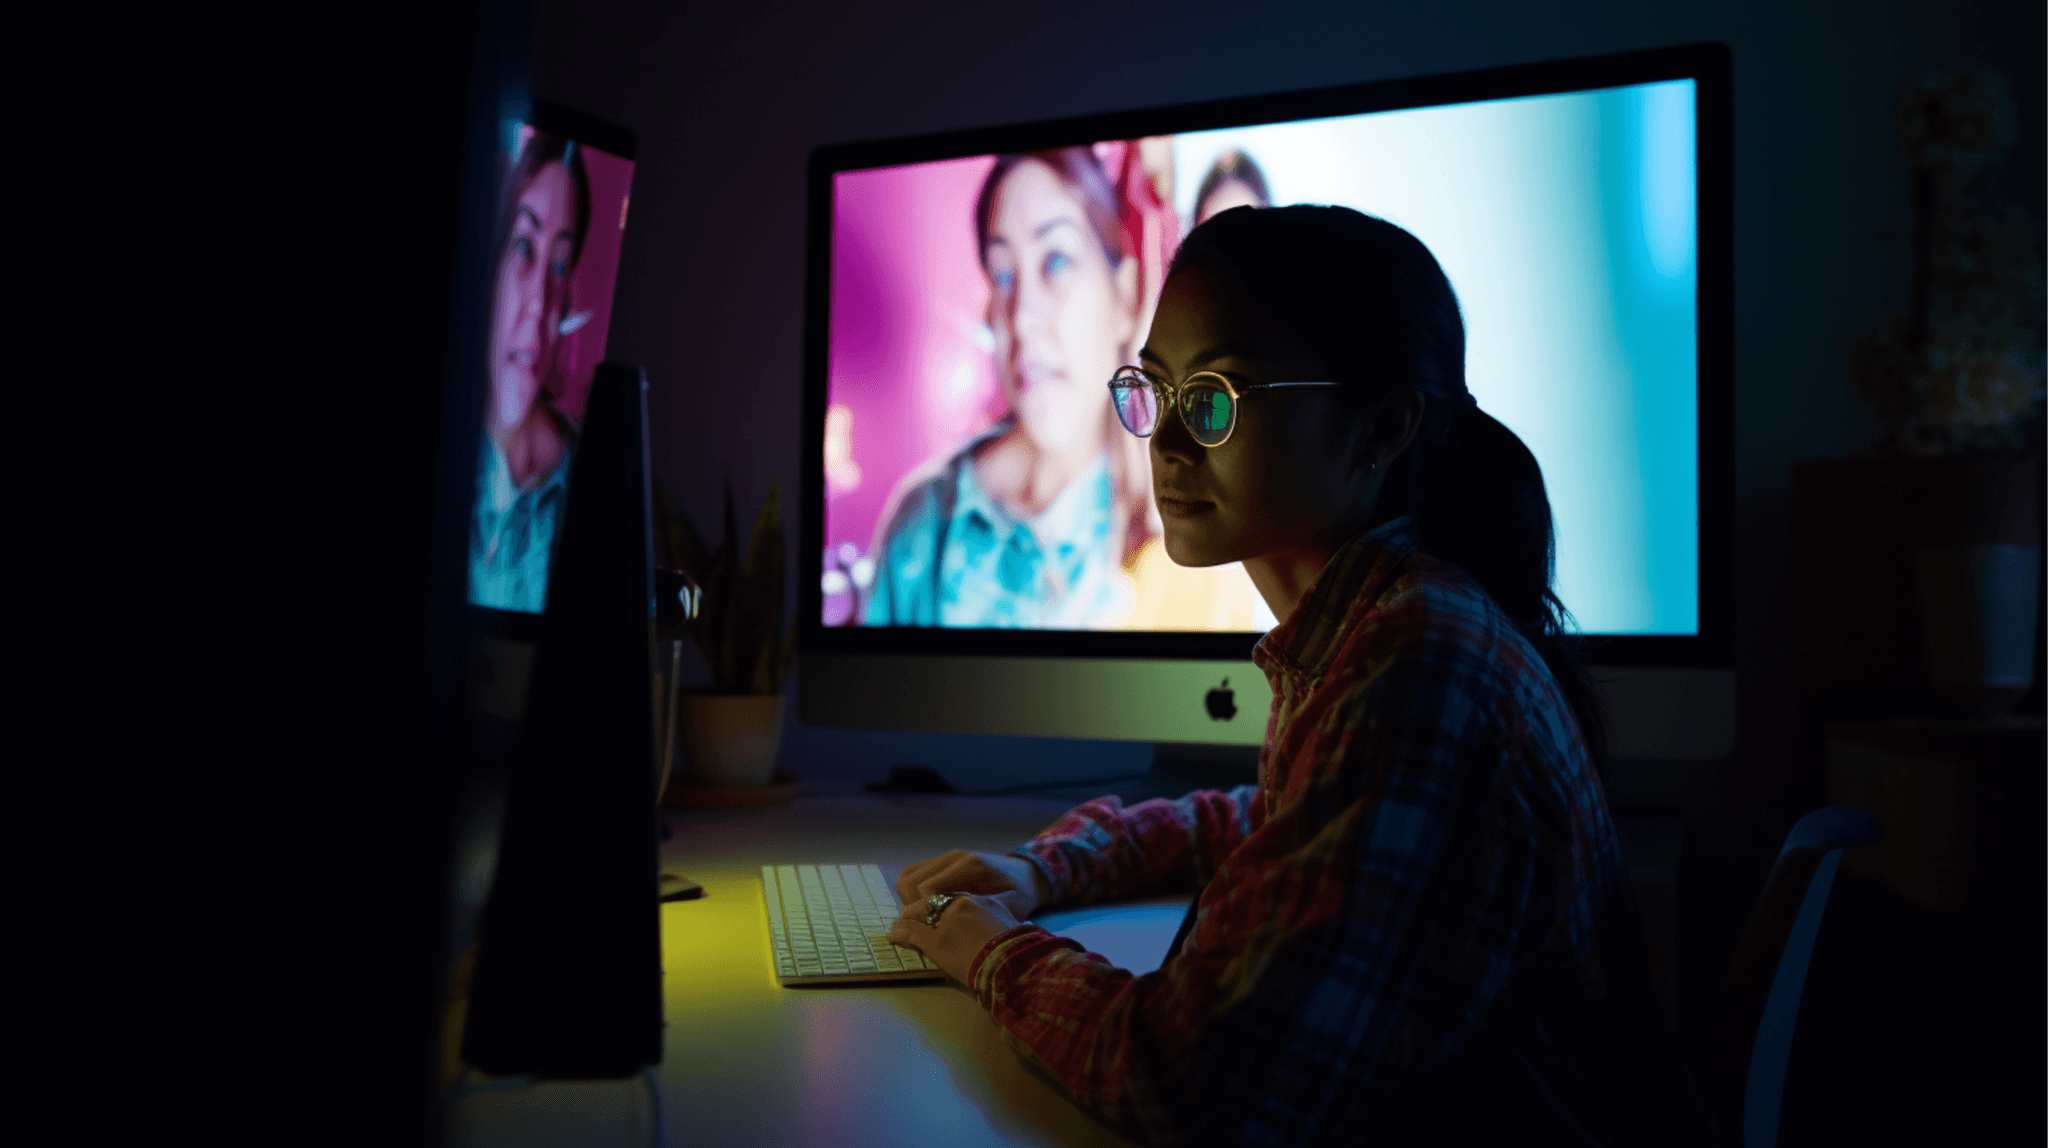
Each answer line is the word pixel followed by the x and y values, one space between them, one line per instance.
pixel 683 548
pixel 731 543
pixel 740 626
pixel 783 660
pixel 710 627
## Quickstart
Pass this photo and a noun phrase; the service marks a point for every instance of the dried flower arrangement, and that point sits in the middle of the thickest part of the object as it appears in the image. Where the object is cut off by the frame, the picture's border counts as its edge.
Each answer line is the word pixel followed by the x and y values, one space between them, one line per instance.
pixel 1962 369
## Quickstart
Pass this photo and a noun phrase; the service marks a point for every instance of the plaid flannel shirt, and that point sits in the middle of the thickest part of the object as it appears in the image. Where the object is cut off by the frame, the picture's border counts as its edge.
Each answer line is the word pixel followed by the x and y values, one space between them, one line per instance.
pixel 1415 929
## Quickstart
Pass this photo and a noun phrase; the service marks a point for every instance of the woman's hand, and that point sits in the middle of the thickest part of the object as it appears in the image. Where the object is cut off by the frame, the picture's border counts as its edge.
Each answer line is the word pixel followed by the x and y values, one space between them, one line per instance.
pixel 1015 882
pixel 966 924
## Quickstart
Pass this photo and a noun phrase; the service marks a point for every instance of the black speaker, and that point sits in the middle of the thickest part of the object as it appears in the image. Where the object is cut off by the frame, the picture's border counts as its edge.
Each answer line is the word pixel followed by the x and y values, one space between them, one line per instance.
pixel 567 982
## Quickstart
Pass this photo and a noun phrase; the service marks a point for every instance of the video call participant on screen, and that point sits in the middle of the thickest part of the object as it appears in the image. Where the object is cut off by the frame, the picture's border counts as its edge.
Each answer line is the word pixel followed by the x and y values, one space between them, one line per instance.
pixel 1233 181
pixel 1416 929
pixel 522 470
pixel 1028 524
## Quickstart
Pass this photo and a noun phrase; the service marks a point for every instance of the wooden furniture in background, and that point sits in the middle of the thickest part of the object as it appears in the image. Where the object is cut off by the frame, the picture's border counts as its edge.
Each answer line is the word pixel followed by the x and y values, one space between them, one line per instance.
pixel 1961 803
pixel 1931 1027
pixel 1863 533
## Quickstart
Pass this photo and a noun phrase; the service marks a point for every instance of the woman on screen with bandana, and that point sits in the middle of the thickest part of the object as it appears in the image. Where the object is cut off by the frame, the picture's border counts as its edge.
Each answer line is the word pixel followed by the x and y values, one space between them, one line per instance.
pixel 1028 524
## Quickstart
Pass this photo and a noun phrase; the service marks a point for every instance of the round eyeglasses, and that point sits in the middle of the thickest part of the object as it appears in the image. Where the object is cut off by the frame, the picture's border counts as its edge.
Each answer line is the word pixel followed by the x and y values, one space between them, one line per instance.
pixel 1207 402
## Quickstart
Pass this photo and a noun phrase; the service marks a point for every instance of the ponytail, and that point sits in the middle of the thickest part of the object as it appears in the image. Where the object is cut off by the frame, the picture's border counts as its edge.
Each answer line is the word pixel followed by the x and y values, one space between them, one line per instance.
pixel 1480 505
pixel 1374 303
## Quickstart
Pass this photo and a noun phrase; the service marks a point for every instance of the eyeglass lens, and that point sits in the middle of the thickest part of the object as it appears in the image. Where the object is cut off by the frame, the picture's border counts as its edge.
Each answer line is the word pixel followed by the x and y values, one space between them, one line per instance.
pixel 1206 406
pixel 1137 403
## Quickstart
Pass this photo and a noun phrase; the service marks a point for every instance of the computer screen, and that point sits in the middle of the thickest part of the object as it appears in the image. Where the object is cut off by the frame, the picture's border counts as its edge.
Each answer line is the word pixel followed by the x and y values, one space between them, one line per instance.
pixel 973 502
pixel 561 217
pixel 559 189
pixel 983 301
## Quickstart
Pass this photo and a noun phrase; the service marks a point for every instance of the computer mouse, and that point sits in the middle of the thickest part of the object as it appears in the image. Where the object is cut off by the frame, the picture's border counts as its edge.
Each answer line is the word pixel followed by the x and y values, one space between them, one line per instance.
pixel 912 779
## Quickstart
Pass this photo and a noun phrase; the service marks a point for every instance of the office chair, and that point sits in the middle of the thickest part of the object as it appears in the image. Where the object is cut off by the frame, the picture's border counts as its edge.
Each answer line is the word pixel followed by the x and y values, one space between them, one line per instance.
pixel 1749 1039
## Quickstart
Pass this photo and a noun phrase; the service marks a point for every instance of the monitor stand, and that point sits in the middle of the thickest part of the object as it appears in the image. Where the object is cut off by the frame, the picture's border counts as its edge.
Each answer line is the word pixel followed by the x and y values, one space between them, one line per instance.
pixel 1178 767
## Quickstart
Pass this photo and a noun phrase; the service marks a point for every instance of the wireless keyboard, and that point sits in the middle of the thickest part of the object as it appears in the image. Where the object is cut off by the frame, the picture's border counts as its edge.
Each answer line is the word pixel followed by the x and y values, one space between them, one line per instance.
pixel 829 924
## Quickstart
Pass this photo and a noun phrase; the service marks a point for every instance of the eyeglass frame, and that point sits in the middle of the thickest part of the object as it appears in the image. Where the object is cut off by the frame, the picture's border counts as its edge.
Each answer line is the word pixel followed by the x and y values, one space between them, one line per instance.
pixel 1174 390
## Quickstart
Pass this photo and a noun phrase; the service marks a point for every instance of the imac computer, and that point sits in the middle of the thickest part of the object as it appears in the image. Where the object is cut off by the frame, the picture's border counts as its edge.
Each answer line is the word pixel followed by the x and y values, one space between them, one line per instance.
pixel 1581 210
pixel 565 186
pixel 554 949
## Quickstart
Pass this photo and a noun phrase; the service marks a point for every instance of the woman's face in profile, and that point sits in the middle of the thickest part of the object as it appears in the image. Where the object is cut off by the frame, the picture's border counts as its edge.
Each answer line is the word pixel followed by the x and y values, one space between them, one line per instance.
pixel 1062 315
pixel 531 297
pixel 1286 478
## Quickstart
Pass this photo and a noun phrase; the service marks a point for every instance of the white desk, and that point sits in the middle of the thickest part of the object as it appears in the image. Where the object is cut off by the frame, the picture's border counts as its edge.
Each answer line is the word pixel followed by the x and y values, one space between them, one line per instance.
pixel 747 1062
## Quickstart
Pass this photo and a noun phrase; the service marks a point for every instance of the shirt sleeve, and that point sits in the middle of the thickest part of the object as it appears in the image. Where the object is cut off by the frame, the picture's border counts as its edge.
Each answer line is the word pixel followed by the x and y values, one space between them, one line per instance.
pixel 1353 940
pixel 1102 850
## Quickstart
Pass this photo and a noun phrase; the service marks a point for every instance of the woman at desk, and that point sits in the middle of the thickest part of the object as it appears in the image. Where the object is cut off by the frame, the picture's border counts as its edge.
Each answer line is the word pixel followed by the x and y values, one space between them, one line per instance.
pixel 1416 929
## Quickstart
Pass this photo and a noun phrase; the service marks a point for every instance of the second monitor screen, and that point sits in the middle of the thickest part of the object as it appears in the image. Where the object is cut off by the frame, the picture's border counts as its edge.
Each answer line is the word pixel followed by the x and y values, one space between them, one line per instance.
pixel 986 301
pixel 560 222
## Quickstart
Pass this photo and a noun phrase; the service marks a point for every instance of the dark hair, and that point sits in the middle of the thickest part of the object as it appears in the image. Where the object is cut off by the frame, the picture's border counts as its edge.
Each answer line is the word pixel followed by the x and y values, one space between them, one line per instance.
pixel 1233 166
pixel 1376 307
pixel 1078 168
pixel 541 150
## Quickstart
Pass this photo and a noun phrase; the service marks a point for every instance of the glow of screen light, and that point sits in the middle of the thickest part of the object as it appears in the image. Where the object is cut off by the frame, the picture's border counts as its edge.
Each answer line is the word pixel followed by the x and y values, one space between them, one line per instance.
pixel 1668 163
pixel 982 336
pixel 962 381
pixel 842 473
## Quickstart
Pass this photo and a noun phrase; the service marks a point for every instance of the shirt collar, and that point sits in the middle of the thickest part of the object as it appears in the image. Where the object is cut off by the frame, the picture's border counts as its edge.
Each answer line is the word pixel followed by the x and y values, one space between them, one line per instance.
pixel 1070 515
pixel 1353 579
pixel 497 495
pixel 498 492
pixel 1075 509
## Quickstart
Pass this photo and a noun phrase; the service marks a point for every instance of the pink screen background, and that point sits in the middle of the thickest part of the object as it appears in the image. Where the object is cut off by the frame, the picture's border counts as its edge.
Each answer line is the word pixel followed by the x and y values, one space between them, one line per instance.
pixel 596 275
pixel 907 363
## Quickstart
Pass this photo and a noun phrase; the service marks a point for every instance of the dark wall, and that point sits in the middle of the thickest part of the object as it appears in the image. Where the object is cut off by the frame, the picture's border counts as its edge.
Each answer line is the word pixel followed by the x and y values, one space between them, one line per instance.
pixel 729 99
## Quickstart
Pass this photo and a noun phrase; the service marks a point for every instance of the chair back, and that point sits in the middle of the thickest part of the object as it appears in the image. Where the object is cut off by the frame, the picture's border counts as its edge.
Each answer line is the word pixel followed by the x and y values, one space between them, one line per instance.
pixel 1749 1039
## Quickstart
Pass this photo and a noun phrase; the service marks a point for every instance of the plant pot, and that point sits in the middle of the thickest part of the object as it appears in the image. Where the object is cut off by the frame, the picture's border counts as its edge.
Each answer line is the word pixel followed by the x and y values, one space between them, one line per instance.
pixel 730 739
pixel 668 672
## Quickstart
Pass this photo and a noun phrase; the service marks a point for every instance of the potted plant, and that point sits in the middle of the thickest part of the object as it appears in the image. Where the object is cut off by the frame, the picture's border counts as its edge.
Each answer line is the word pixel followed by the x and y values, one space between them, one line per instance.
pixel 729 733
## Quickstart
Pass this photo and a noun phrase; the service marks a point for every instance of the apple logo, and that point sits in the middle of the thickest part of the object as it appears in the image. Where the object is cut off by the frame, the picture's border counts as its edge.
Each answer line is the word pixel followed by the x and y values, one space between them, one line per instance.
pixel 1221 702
